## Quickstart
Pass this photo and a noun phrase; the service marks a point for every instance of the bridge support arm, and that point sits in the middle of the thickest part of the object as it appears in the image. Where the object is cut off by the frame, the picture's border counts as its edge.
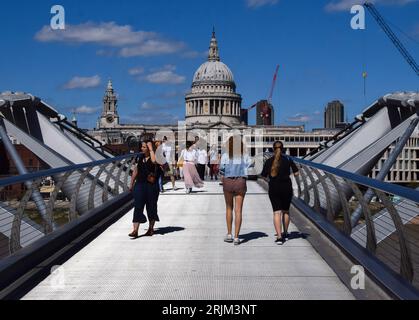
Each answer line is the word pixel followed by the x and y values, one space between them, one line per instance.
pixel 36 195
pixel 388 164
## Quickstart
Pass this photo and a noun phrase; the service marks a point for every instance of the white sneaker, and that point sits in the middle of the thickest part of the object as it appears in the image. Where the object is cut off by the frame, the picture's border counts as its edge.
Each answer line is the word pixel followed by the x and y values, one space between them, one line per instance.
pixel 237 241
pixel 229 238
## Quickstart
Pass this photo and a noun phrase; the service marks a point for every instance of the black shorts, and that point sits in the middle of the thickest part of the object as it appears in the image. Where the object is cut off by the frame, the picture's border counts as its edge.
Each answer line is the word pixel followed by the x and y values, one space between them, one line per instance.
pixel 281 195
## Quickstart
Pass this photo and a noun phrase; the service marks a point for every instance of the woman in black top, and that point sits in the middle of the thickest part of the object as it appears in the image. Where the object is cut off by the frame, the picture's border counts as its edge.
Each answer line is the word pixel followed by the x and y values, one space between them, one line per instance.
pixel 145 189
pixel 278 169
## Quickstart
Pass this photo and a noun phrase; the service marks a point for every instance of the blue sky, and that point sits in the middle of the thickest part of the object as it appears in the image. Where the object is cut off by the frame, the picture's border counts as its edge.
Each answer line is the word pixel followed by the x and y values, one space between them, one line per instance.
pixel 151 50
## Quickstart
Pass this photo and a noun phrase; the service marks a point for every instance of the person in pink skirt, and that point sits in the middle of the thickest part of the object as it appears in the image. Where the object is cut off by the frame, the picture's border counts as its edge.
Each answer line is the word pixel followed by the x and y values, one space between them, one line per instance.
pixel 191 176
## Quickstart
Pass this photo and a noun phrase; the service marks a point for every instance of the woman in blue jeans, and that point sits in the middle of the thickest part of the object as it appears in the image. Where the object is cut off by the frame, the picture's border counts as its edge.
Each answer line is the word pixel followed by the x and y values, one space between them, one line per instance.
pixel 145 188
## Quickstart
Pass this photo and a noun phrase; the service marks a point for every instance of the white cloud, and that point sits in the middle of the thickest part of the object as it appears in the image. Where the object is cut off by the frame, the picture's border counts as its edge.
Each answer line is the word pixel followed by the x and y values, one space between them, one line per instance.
pixel 167 67
pixel 306 117
pixel 148 106
pixel 132 43
pixel 165 75
pixel 136 71
pixel 109 34
pixel 152 47
pixel 86 110
pixel 83 82
pixel 343 5
pixel 300 118
pixel 168 77
pixel 260 3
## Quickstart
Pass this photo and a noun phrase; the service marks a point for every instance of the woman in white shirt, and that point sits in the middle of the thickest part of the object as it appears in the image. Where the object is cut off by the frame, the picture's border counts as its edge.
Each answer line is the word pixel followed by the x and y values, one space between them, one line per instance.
pixel 191 176
pixel 202 156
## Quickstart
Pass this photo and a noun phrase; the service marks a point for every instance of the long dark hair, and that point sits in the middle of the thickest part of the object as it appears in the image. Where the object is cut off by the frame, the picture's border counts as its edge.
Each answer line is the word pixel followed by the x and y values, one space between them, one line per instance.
pixel 147 153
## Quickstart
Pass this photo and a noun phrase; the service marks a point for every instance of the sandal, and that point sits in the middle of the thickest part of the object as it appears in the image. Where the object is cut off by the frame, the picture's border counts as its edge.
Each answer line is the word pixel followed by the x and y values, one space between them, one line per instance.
pixel 133 234
pixel 149 233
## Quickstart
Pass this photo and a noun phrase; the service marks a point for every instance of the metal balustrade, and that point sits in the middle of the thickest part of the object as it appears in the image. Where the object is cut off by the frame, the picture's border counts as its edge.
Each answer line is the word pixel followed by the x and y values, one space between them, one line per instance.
pixel 67 194
pixel 389 228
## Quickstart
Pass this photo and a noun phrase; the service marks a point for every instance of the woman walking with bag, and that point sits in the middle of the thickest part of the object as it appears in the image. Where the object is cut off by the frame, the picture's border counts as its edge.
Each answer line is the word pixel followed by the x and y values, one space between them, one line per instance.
pixel 145 188
pixel 233 169
pixel 278 170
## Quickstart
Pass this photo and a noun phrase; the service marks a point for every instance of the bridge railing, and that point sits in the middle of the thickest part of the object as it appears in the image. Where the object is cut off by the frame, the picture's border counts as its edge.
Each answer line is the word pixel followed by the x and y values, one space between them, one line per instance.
pixel 36 204
pixel 389 224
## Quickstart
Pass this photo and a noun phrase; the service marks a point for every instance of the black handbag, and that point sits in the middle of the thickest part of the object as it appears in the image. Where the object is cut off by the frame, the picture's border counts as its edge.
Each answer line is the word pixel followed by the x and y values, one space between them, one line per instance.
pixel 152 176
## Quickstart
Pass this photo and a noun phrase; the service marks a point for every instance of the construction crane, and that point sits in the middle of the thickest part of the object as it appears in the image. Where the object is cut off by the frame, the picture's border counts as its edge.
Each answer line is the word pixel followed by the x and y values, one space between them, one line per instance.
pixel 273 85
pixel 386 28
pixel 265 114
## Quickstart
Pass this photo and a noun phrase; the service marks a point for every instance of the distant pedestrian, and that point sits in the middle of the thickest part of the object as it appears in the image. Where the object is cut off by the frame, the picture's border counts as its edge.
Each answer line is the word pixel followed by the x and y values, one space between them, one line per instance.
pixel 214 162
pixel 161 161
pixel 169 154
pixel 179 164
pixel 234 167
pixel 191 176
pixel 145 188
pixel 278 170
pixel 202 161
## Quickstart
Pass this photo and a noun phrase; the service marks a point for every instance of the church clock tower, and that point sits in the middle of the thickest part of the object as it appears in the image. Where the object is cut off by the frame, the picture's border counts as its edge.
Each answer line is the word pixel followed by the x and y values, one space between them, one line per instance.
pixel 109 117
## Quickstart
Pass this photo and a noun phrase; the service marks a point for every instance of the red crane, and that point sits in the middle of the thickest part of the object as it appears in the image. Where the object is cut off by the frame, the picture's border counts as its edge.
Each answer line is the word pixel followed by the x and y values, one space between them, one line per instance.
pixel 265 108
pixel 273 85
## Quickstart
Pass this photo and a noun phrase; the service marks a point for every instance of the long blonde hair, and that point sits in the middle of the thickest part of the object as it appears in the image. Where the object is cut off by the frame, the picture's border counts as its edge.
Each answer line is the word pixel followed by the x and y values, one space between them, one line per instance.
pixel 277 160
pixel 230 146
